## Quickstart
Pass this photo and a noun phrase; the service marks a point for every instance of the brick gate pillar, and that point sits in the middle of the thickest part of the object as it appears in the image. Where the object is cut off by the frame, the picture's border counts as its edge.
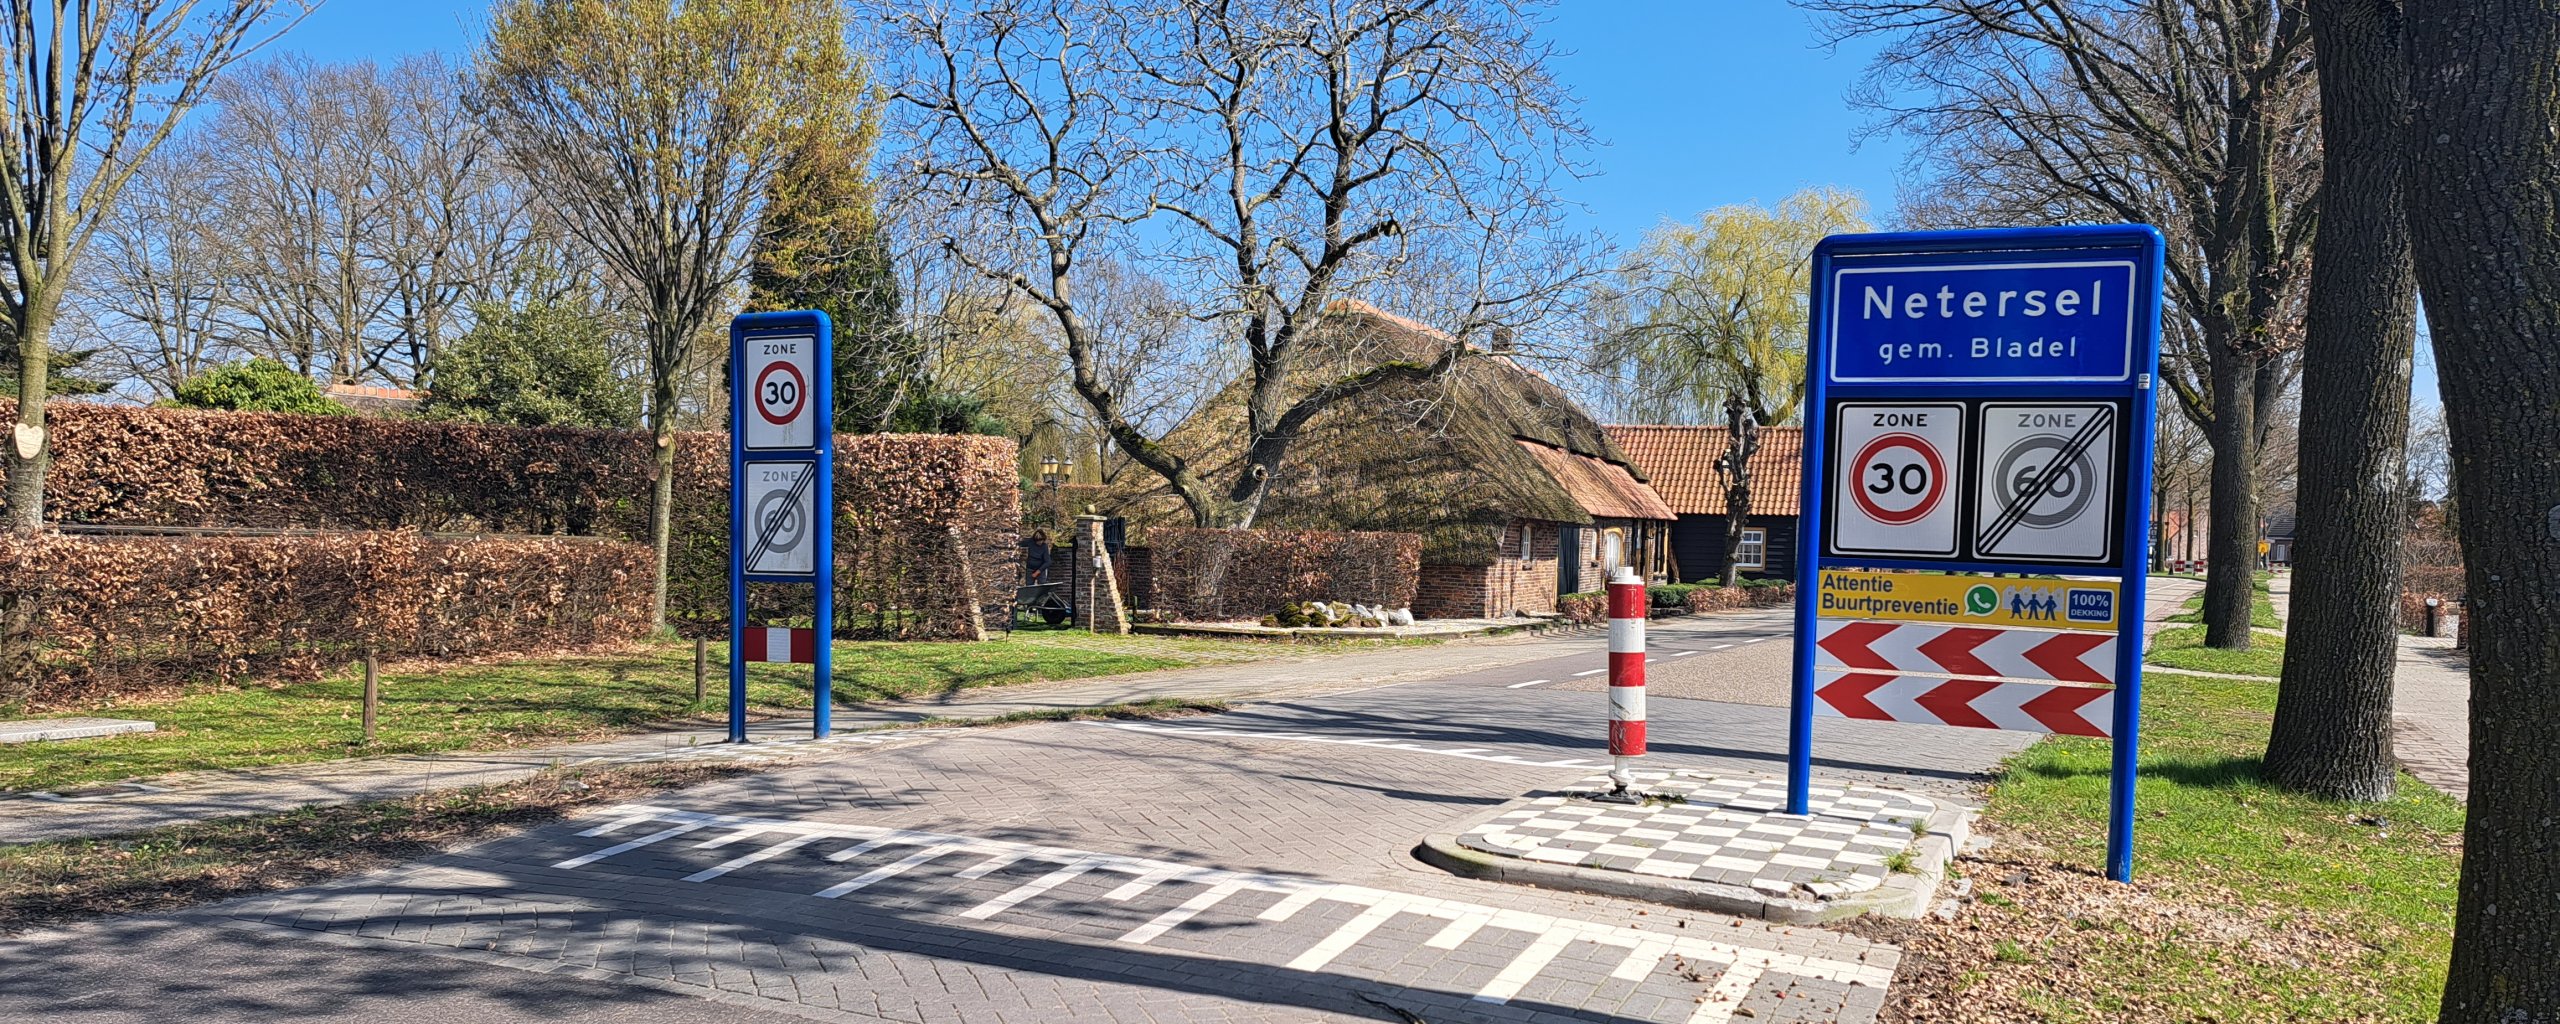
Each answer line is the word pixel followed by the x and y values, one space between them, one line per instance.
pixel 1095 589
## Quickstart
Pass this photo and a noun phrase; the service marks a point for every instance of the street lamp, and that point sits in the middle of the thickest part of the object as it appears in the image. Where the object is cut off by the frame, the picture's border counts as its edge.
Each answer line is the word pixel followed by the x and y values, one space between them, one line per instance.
pixel 1053 470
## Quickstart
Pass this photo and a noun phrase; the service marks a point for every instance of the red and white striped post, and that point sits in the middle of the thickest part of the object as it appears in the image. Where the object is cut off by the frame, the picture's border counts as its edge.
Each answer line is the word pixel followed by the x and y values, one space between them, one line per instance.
pixel 1626 674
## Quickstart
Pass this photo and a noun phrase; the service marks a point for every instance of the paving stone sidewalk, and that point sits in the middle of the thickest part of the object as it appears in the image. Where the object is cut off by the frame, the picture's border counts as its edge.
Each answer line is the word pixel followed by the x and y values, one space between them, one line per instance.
pixel 2430 703
pixel 194 796
pixel 1716 828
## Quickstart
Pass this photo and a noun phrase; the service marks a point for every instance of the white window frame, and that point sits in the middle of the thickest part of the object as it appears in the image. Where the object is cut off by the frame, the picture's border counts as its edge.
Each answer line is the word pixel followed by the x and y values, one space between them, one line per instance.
pixel 1528 535
pixel 1754 553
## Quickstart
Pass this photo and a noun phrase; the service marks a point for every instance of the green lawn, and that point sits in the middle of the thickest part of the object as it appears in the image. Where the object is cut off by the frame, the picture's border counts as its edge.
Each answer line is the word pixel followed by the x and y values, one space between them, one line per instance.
pixel 2183 647
pixel 430 707
pixel 2262 610
pixel 2345 910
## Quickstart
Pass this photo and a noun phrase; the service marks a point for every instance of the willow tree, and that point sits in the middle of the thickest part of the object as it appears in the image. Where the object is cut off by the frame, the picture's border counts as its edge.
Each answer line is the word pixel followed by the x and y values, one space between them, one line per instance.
pixel 1714 313
pixel 654 129
pixel 89 90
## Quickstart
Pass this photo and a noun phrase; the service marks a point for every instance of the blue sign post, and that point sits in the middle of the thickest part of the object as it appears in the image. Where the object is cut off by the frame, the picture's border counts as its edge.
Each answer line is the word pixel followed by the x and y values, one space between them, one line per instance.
pixel 782 495
pixel 1982 401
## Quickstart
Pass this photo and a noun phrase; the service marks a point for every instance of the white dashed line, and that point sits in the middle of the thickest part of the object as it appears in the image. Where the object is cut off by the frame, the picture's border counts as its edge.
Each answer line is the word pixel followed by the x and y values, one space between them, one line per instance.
pixel 1684 654
pixel 1755 639
pixel 1533 682
pixel 1720 647
pixel 1592 672
pixel 1372 742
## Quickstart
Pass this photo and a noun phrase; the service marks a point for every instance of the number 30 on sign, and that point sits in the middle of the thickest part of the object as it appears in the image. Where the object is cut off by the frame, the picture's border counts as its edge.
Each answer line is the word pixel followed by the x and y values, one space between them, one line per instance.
pixel 778 371
pixel 1893 479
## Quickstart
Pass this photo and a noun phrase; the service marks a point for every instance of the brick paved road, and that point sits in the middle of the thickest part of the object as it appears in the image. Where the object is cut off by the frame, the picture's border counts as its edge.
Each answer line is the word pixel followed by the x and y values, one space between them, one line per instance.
pixel 1038 874
pixel 1251 866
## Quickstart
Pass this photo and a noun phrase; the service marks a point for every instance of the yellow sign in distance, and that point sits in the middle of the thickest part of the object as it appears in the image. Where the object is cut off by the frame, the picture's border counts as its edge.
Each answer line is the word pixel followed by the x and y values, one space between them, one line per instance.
pixel 1968 600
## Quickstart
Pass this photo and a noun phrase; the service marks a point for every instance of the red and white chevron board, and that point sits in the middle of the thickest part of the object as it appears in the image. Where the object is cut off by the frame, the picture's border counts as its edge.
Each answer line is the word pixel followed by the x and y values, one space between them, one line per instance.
pixel 1864 646
pixel 1971 703
pixel 797 646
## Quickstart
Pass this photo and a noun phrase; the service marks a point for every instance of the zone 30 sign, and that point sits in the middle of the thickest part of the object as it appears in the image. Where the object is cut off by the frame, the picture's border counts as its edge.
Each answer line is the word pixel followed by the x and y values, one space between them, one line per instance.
pixel 1981 402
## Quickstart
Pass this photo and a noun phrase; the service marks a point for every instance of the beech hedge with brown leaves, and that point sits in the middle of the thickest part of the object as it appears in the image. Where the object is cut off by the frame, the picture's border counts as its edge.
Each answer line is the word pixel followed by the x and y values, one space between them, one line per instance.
pixel 1204 575
pixel 86 618
pixel 916 514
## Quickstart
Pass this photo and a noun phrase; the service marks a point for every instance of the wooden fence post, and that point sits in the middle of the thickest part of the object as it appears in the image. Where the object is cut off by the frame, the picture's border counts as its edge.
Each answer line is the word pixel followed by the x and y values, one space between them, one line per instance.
pixel 372 694
pixel 700 663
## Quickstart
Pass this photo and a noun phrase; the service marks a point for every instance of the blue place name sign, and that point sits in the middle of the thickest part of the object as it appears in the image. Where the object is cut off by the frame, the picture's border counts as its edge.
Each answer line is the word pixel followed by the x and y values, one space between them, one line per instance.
pixel 2063 318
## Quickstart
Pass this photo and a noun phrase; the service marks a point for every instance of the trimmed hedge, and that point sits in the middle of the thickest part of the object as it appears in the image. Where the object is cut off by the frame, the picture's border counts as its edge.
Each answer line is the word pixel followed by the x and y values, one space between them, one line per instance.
pixel 908 506
pixel 1210 575
pixel 83 618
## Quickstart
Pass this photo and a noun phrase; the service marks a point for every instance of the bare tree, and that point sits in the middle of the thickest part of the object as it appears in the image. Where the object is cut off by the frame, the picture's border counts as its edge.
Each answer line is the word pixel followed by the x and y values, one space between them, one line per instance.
pixel 653 130
pixel 155 297
pixel 2197 116
pixel 1266 157
pixel 92 88
pixel 2484 226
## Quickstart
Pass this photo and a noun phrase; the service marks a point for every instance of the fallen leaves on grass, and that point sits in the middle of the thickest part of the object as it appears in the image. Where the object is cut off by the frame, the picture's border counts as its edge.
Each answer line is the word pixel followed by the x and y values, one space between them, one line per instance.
pixel 2039 940
pixel 184 865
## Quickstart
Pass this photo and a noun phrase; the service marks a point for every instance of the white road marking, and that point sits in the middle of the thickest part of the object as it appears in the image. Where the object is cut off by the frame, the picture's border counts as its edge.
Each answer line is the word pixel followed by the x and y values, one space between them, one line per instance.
pixel 1345 937
pixel 1592 672
pixel 579 862
pixel 1720 647
pixel 734 863
pixel 1549 935
pixel 1684 654
pixel 1533 682
pixel 1755 639
pixel 1373 742
pixel 884 872
pixel 1027 890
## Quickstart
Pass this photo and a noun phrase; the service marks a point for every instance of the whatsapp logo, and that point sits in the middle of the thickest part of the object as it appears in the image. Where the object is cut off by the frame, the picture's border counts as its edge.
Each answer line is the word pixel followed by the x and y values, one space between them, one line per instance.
pixel 1981 600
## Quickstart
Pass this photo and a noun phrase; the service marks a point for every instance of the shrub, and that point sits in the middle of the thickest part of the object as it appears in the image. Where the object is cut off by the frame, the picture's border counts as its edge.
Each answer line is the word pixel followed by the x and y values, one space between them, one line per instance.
pixel 91 617
pixel 538 365
pixel 1671 595
pixel 259 385
pixel 1216 574
pixel 910 509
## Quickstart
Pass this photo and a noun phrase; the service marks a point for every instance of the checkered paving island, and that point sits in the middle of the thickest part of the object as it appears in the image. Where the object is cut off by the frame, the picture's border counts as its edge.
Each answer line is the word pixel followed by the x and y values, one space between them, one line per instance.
pixel 1724 829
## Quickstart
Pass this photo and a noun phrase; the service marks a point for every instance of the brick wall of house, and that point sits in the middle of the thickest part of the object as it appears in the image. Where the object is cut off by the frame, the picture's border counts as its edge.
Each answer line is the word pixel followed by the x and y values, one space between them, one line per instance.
pixel 1509 586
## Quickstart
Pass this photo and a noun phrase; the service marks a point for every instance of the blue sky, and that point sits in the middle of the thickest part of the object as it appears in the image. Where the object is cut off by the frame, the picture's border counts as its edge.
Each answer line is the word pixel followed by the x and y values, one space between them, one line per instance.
pixel 1695 104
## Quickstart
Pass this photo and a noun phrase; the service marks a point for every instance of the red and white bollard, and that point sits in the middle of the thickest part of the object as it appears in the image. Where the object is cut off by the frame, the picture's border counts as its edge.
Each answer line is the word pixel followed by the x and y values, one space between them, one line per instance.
pixel 1626 675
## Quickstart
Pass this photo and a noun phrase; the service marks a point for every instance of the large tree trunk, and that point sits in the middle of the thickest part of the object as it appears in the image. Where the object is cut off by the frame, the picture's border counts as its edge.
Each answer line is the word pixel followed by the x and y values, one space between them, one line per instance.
pixel 2484 217
pixel 2333 711
pixel 2231 547
pixel 29 448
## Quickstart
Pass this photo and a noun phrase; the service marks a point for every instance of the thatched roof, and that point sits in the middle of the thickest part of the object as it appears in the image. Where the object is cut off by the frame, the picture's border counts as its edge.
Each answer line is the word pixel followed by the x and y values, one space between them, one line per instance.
pixel 1453 459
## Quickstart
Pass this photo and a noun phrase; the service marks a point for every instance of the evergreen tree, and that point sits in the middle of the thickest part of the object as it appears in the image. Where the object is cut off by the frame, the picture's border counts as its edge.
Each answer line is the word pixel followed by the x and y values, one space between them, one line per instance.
pixel 821 246
pixel 258 385
pixel 539 365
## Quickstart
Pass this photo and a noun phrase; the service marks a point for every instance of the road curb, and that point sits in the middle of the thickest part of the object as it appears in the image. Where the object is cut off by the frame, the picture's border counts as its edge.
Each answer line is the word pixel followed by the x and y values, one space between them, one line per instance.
pixel 1904 894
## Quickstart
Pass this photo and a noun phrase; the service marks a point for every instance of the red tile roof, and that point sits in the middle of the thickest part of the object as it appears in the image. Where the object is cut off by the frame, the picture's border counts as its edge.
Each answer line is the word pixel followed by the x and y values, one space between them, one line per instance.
pixel 1681 464
pixel 1604 489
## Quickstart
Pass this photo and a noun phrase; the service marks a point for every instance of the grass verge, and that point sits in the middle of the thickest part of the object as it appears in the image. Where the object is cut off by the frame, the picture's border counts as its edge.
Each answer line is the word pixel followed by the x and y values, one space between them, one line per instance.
pixel 432 707
pixel 2183 647
pixel 184 865
pixel 2249 904
pixel 2262 608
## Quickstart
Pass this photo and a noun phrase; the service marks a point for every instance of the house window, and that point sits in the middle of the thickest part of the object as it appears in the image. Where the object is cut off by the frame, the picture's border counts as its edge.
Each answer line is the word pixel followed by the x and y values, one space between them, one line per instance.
pixel 1526 532
pixel 1755 550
